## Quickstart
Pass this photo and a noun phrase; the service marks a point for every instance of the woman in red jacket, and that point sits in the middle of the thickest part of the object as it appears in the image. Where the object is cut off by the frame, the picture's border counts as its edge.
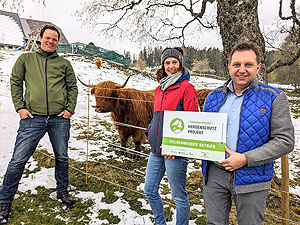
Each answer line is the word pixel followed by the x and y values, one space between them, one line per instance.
pixel 174 93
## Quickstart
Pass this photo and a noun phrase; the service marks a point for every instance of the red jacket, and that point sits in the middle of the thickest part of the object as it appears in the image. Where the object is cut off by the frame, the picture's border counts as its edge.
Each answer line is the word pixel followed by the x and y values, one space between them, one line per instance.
pixel 181 96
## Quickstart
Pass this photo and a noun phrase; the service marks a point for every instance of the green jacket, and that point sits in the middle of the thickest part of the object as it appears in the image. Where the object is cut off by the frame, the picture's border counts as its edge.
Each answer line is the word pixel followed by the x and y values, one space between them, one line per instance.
pixel 50 83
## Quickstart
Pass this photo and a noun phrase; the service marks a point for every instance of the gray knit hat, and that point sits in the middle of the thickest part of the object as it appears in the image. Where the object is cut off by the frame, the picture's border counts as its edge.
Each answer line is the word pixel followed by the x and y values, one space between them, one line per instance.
pixel 172 52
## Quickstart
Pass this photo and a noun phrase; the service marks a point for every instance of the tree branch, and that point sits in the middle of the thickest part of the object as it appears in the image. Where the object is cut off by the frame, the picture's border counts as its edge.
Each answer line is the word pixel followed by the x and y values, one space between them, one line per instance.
pixel 139 18
pixel 294 14
pixel 280 12
pixel 281 63
pixel 290 49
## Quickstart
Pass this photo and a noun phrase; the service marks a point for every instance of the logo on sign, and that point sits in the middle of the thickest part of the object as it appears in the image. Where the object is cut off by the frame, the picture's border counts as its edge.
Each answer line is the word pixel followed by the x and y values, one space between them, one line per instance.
pixel 177 125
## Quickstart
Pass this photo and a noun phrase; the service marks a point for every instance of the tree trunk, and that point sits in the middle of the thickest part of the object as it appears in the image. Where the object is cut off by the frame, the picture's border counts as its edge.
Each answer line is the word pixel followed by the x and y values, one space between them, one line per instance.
pixel 238 21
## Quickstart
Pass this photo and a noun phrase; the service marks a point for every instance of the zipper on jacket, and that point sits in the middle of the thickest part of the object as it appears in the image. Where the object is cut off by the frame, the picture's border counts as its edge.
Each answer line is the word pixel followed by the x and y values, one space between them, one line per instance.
pixel 159 123
pixel 46 80
pixel 236 146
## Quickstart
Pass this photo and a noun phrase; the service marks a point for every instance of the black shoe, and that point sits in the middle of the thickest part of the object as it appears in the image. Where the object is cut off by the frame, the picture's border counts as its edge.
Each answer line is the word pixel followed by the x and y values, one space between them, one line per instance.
pixel 65 198
pixel 4 212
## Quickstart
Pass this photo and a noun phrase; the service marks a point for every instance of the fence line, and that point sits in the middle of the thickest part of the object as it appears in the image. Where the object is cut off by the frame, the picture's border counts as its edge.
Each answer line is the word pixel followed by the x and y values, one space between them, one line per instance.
pixel 281 218
pixel 136 152
pixel 128 150
pixel 293 196
pixel 126 99
pixel 141 193
pixel 129 125
pixel 100 96
pixel 99 178
pixel 124 149
pixel 285 192
pixel 131 151
pixel 119 168
pixel 145 155
pixel 126 90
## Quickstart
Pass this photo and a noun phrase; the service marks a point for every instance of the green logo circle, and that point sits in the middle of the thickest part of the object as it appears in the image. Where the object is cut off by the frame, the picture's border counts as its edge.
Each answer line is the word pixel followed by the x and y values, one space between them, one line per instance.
pixel 177 125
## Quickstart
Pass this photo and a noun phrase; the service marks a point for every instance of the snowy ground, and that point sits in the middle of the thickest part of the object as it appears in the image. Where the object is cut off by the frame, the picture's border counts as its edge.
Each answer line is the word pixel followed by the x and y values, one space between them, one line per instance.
pixel 86 70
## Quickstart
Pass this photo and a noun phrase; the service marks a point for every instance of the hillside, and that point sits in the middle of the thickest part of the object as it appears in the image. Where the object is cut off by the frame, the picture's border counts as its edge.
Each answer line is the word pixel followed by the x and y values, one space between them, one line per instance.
pixel 113 191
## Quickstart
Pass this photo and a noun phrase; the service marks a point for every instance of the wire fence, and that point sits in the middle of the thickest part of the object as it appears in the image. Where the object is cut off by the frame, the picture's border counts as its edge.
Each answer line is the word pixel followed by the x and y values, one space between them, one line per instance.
pixel 131 151
pixel 125 99
pixel 133 126
pixel 141 193
pixel 102 179
pixel 124 149
pixel 141 154
pixel 150 92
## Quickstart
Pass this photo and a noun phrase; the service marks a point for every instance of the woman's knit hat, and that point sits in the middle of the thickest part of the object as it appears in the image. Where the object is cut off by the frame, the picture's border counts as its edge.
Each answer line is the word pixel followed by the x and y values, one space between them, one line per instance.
pixel 171 52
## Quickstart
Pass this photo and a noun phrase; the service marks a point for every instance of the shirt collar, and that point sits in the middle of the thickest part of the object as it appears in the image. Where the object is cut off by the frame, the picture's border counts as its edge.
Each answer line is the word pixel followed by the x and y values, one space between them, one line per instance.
pixel 230 87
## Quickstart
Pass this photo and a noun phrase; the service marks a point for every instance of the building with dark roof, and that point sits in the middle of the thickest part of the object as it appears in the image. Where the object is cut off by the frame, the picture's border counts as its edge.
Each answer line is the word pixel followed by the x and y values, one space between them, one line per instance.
pixel 36 24
pixel 15 31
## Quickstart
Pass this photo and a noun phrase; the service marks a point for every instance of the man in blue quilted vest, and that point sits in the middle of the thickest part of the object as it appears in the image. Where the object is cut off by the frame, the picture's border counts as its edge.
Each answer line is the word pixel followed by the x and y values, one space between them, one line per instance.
pixel 259 130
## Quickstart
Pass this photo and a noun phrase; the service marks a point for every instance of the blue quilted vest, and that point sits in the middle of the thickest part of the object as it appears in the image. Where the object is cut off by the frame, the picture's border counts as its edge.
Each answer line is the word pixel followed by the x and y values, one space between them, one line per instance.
pixel 254 128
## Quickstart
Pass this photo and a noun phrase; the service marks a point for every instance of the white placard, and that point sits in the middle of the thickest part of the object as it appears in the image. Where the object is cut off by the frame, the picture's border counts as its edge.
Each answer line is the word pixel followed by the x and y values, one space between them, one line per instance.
pixel 200 135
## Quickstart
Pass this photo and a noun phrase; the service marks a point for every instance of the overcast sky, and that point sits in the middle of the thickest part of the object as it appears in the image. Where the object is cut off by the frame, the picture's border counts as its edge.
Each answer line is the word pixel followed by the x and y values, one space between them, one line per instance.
pixel 61 13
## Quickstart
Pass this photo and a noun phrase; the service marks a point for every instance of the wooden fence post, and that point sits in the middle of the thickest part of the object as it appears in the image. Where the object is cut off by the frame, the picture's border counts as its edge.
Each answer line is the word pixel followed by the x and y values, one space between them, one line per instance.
pixel 285 190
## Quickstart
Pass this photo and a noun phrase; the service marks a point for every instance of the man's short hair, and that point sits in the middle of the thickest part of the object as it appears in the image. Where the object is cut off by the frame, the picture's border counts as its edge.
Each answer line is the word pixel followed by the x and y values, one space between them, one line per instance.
pixel 51 28
pixel 244 46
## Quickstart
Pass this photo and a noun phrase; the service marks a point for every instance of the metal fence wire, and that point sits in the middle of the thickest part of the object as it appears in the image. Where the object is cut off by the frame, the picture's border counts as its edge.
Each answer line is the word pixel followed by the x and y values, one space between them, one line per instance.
pixel 140 174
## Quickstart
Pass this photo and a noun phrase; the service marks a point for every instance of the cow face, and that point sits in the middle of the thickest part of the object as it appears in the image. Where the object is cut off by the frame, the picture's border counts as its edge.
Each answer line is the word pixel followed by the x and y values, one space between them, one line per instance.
pixel 105 93
pixel 98 62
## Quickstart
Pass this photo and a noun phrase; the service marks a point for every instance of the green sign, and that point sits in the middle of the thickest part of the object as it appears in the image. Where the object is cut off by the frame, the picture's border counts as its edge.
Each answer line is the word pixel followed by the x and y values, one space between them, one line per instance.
pixel 199 135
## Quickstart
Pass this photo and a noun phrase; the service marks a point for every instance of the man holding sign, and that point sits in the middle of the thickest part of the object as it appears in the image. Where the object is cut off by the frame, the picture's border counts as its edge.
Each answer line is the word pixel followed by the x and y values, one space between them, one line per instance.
pixel 259 130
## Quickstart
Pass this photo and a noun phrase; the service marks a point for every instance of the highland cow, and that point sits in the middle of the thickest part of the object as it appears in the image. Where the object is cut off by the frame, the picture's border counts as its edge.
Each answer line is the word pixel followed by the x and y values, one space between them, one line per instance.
pixel 98 62
pixel 126 105
pixel 129 106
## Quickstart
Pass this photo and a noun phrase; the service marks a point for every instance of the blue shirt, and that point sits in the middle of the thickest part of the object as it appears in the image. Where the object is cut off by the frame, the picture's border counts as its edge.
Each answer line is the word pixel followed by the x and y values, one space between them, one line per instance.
pixel 232 107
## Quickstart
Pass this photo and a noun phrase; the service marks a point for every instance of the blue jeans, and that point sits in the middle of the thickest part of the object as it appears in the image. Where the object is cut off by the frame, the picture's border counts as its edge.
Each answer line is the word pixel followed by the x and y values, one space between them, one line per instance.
pixel 176 172
pixel 29 134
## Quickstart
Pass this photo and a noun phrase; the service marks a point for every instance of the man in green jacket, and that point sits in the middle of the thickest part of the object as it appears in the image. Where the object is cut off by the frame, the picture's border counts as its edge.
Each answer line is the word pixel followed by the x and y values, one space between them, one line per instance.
pixel 47 105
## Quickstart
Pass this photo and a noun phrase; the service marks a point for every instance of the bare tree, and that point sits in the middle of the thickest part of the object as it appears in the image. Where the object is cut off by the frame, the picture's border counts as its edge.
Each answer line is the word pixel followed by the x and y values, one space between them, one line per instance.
pixel 165 21
pixel 238 21
pixel 177 21
pixel 290 49
pixel 288 73
pixel 16 4
pixel 202 67
pixel 11 4
pixel 144 20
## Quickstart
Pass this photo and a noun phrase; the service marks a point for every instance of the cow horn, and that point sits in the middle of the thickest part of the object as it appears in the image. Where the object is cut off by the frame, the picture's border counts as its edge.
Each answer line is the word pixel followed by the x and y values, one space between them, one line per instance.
pixel 121 86
pixel 87 85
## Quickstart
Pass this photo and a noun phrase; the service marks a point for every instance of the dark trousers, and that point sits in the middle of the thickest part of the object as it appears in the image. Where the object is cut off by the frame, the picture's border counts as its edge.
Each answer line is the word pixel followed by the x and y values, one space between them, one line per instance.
pixel 218 194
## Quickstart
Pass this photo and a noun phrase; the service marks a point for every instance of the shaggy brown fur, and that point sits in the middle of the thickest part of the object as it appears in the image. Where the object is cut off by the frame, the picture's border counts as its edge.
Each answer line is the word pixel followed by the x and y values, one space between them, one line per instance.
pixel 124 109
pixel 120 102
pixel 202 94
pixel 98 62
